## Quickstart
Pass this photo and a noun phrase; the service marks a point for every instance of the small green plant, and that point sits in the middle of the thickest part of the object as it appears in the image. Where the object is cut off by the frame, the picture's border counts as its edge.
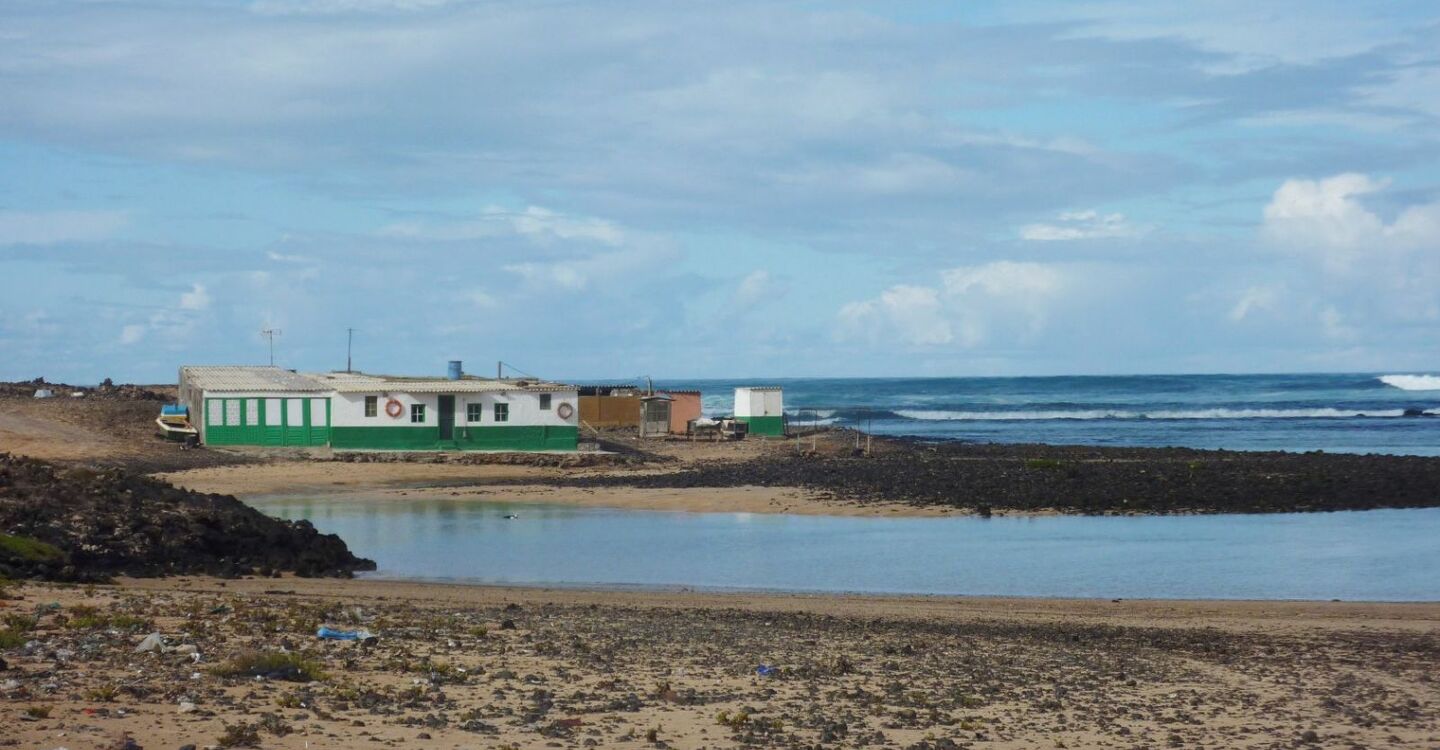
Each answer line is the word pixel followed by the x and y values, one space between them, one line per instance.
pixel 275 725
pixel 21 623
pixel 275 665
pixel 28 549
pixel 104 694
pixel 239 735
pixel 11 638
pixel 38 712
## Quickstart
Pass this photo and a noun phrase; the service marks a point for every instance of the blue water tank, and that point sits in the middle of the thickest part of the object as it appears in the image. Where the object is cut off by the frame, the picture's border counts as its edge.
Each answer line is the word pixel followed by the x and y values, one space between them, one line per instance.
pixel 455 369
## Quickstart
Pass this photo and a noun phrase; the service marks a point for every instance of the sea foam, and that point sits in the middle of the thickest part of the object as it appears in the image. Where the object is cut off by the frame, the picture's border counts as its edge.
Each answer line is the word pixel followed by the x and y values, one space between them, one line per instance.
pixel 1219 413
pixel 1412 382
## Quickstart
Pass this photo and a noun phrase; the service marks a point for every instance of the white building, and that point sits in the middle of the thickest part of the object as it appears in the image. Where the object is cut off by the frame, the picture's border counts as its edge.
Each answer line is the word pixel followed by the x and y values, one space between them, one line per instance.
pixel 269 406
pixel 762 407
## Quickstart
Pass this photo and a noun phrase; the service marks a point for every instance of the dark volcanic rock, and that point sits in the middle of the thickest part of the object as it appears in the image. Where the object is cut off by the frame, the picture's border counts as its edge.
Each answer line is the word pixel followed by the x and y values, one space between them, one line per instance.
pixel 1077 479
pixel 109 521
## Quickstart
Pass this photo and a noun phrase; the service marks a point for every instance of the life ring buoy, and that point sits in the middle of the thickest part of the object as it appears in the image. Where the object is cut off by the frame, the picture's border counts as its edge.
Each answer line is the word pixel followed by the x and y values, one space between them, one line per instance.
pixel 565 411
pixel 394 408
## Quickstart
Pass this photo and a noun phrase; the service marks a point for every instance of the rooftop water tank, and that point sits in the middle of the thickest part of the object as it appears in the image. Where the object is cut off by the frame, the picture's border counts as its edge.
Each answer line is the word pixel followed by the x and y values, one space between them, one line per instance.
pixel 455 369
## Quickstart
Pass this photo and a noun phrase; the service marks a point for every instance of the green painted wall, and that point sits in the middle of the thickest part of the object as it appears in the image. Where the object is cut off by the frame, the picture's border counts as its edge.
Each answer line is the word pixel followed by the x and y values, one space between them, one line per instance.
pixel 257 432
pixel 764 425
pixel 385 438
pixel 505 438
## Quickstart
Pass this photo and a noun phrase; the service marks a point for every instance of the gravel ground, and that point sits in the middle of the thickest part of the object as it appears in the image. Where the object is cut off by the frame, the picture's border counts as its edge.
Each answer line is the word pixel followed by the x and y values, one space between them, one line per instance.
pixel 551 669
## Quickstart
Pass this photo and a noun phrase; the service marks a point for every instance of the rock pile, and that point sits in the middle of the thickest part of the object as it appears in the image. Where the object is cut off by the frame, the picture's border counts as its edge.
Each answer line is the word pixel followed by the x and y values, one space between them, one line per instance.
pixel 106 390
pixel 87 524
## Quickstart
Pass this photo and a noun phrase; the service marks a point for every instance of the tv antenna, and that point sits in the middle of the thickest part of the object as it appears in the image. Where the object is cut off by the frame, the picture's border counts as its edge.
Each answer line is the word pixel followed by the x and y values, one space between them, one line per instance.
pixel 270 334
pixel 349 340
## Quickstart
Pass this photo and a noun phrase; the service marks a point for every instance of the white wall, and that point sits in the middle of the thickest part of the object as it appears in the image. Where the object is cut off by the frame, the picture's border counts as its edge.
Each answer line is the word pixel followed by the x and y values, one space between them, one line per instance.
pixel 757 402
pixel 348 409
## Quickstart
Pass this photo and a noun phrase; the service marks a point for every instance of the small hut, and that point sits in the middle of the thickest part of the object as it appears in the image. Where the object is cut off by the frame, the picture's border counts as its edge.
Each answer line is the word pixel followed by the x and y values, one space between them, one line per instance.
pixel 762 408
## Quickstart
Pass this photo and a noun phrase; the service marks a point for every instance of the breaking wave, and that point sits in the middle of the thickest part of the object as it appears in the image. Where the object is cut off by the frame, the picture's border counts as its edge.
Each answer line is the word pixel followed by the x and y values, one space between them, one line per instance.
pixel 1412 382
pixel 1326 413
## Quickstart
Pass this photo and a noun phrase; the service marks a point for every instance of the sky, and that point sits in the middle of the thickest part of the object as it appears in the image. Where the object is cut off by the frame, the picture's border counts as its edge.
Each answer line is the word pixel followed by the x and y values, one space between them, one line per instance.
pixel 719 189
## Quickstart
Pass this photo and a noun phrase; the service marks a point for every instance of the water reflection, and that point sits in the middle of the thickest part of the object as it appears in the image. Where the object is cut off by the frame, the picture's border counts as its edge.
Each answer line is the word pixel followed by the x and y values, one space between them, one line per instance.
pixel 1375 555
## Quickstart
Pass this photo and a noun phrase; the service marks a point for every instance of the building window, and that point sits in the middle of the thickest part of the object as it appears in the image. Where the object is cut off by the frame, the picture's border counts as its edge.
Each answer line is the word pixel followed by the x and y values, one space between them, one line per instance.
pixel 417 414
pixel 544 402
pixel 502 412
pixel 372 406
pixel 473 412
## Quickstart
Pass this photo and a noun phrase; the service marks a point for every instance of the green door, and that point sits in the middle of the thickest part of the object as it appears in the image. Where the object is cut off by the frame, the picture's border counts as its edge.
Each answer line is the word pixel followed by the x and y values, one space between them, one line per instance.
pixel 447 417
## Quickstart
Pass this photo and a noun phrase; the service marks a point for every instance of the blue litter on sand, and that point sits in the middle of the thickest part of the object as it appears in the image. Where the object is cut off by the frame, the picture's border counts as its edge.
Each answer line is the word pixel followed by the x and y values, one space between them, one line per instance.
pixel 764 670
pixel 330 634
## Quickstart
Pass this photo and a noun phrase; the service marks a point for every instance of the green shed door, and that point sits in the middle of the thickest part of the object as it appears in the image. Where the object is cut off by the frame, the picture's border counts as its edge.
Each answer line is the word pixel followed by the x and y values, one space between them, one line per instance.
pixel 317 415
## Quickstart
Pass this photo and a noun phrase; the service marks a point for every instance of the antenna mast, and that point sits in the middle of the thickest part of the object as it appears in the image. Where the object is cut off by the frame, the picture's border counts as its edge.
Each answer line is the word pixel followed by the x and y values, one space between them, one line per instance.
pixel 270 334
pixel 349 341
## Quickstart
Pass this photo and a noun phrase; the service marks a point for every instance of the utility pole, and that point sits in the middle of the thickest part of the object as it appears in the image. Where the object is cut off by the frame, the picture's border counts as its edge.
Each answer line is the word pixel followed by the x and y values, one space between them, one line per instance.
pixel 349 341
pixel 270 334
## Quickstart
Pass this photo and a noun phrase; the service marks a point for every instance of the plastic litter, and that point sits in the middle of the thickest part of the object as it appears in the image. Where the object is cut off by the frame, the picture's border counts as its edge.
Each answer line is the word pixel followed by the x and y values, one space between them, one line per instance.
pixel 152 642
pixel 330 634
pixel 765 670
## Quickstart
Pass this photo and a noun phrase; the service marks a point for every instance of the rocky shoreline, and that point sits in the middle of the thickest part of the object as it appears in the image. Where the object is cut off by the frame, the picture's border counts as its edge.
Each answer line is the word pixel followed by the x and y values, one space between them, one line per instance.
pixel 88 524
pixel 987 478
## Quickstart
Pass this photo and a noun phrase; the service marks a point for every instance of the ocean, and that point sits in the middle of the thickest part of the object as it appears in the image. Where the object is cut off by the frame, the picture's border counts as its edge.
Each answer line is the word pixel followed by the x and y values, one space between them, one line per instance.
pixel 1342 413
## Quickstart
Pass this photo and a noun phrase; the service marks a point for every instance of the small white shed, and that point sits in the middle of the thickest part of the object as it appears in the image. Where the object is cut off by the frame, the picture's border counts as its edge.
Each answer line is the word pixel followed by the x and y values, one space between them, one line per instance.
pixel 761 407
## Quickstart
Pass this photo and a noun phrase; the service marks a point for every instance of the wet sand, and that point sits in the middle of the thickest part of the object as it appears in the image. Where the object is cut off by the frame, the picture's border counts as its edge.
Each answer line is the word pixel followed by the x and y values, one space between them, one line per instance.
pixel 391 481
pixel 466 666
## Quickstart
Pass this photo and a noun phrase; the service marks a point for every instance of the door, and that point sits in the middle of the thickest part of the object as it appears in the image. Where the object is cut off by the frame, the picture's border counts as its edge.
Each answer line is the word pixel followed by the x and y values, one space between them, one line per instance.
pixel 447 417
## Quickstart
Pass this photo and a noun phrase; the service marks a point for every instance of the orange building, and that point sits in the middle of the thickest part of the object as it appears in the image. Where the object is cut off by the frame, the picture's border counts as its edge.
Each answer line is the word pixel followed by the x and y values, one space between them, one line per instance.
pixel 684 406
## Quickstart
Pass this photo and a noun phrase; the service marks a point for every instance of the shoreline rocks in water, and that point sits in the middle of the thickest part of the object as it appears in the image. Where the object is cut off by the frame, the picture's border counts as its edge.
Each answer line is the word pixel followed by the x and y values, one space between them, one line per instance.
pixel 1074 479
pixel 86 524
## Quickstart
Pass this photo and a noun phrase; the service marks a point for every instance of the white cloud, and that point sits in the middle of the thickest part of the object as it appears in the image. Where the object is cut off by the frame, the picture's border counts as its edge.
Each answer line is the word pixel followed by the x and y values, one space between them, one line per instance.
pixel 564 275
pixel 483 299
pixel 754 288
pixel 195 299
pixel 971 305
pixel 132 334
pixel 539 225
pixel 337 7
pixel 1079 225
pixel 1324 217
pixel 283 258
pixel 913 313
pixel 1254 299
pixel 1374 273
pixel 54 227
pixel 1334 326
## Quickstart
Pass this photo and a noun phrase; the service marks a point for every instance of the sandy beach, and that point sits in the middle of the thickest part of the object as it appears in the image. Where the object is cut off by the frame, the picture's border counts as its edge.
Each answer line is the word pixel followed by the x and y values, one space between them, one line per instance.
pixel 394 481
pixel 467 666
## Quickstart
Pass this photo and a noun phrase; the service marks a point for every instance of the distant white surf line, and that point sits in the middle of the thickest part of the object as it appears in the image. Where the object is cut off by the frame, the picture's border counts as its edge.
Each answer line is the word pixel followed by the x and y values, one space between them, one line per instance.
pixel 1158 414
pixel 1412 382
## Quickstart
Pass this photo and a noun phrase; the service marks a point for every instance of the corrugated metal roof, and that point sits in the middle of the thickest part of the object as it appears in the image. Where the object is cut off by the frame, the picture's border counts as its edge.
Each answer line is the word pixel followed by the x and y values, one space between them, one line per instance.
pixel 239 378
pixel 356 382
pixel 247 378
